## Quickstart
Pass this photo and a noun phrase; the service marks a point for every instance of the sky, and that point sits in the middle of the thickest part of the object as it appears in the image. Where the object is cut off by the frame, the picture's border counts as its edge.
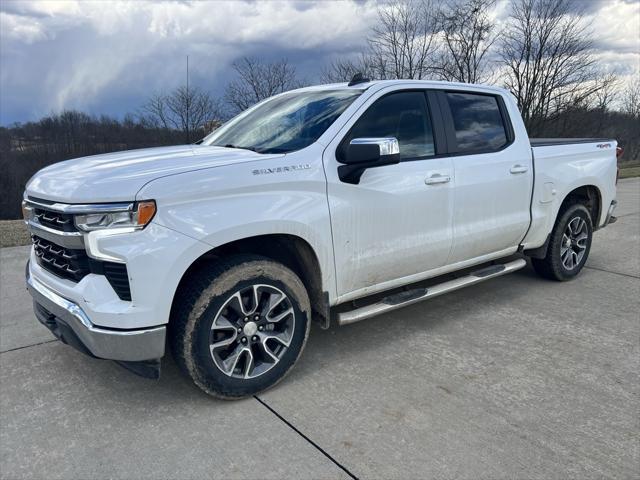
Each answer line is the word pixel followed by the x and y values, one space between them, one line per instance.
pixel 107 57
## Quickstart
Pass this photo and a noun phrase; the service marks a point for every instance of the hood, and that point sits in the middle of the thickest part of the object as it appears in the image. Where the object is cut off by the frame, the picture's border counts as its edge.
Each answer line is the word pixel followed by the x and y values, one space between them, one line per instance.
pixel 119 176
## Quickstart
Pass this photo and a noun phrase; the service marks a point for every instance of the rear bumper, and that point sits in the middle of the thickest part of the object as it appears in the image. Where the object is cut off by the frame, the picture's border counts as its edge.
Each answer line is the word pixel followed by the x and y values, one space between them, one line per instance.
pixel 68 322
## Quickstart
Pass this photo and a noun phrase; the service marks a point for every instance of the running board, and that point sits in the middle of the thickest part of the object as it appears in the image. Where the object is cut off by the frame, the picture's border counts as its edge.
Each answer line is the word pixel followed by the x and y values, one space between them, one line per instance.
pixel 402 299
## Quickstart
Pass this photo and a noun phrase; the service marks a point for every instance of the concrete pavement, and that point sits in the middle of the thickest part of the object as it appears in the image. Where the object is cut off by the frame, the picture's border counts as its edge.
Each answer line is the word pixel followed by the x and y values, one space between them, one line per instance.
pixel 513 378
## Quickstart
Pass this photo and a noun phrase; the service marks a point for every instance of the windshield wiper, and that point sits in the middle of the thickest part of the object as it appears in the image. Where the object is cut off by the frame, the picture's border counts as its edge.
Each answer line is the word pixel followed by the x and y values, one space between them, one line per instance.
pixel 229 145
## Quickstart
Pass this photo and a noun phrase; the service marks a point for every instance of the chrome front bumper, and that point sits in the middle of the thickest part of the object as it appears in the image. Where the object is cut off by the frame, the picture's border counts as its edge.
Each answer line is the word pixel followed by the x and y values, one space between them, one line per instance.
pixel 67 320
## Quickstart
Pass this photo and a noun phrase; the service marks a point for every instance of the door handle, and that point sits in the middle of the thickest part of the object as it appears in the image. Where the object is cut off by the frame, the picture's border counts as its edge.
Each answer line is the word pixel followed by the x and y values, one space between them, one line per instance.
pixel 519 169
pixel 437 178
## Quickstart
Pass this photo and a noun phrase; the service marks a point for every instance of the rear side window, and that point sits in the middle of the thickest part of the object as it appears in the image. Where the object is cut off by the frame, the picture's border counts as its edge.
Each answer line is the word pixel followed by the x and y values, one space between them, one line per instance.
pixel 477 121
pixel 402 115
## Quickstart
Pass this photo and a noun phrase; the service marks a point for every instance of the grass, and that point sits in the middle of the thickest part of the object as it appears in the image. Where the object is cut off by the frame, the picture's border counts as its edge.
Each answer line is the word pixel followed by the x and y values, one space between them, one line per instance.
pixel 630 171
pixel 13 233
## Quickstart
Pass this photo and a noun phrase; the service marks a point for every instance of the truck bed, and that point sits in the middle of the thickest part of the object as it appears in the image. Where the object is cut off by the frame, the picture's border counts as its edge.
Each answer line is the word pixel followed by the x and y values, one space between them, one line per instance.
pixel 561 165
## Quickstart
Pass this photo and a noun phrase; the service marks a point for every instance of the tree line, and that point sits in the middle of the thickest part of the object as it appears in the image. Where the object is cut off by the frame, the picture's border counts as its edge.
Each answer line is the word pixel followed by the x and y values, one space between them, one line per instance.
pixel 542 53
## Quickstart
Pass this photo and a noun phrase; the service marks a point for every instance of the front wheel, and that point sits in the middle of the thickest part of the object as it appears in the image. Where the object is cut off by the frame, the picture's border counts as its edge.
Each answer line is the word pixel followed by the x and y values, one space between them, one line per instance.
pixel 238 328
pixel 569 245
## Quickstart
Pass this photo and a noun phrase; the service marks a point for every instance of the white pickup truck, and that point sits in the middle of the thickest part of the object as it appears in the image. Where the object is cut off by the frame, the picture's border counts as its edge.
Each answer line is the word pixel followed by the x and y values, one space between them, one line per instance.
pixel 332 203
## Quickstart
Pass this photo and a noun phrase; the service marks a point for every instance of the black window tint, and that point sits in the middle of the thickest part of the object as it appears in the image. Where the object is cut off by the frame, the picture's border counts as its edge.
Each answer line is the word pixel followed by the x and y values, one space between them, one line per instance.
pixel 401 115
pixel 477 121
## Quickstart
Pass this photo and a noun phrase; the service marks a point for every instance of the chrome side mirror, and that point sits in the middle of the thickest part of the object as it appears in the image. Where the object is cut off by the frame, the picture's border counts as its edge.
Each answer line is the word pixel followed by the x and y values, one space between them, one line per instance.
pixel 364 153
pixel 362 150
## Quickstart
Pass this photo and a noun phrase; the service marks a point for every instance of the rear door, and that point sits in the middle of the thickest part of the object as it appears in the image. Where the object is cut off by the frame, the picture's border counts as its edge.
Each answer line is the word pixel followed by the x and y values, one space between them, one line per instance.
pixel 493 175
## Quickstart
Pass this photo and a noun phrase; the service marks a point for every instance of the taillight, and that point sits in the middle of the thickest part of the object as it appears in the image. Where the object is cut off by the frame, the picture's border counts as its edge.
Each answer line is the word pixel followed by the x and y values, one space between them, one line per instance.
pixel 619 152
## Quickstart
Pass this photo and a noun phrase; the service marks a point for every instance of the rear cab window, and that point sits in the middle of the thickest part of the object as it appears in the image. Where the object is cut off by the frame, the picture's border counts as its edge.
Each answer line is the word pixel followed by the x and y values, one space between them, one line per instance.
pixel 478 122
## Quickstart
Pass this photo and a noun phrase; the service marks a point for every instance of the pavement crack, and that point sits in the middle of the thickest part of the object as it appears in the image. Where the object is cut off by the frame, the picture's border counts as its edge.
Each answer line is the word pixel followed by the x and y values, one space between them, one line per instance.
pixel 28 346
pixel 314 444
pixel 613 273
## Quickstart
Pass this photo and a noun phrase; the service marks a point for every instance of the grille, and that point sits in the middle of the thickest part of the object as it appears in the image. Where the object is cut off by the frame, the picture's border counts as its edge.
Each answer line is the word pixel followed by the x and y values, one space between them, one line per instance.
pixel 55 220
pixel 74 265
pixel 63 262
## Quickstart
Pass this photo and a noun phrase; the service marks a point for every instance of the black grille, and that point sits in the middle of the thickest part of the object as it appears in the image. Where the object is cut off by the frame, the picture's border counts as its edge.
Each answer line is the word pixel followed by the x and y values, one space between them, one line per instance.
pixel 118 277
pixel 63 262
pixel 74 265
pixel 55 220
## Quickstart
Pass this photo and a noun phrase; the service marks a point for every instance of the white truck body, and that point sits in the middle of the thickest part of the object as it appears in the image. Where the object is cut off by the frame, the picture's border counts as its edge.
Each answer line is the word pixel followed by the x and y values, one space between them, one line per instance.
pixel 400 224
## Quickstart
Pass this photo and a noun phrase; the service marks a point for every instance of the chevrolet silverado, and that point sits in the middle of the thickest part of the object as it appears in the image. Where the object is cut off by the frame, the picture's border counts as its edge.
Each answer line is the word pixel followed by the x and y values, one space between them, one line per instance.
pixel 332 203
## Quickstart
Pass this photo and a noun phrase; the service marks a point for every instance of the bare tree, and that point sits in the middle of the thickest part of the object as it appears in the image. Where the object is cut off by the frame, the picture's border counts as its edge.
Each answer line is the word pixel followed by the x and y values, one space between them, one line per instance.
pixel 546 50
pixel 25 148
pixel 467 33
pixel 402 42
pixel 187 109
pixel 606 93
pixel 257 80
pixel 631 99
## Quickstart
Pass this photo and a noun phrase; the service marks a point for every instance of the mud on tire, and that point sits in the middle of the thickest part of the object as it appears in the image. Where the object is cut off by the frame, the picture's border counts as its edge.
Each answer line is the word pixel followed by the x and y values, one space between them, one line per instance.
pixel 243 303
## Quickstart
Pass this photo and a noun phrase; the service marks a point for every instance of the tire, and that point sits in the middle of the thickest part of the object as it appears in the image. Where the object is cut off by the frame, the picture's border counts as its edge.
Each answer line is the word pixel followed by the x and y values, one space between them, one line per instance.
pixel 230 344
pixel 563 262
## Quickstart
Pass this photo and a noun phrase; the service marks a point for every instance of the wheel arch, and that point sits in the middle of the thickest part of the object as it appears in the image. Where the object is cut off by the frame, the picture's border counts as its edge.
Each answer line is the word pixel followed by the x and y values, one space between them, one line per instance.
pixel 290 250
pixel 589 196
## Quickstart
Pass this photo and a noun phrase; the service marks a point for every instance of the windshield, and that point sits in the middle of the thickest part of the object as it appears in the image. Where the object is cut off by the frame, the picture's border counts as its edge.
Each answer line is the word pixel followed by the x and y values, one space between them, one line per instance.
pixel 285 123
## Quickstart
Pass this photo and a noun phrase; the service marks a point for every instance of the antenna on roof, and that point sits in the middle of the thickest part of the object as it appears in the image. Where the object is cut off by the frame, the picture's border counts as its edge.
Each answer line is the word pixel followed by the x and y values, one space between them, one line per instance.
pixel 358 78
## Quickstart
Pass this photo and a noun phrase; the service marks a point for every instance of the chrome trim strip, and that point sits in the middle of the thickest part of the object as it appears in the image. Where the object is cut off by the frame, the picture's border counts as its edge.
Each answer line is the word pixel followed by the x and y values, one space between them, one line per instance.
pixel 82 208
pixel 69 307
pixel 37 225
pixel 123 345
pixel 383 306
pixel 72 240
pixel 612 207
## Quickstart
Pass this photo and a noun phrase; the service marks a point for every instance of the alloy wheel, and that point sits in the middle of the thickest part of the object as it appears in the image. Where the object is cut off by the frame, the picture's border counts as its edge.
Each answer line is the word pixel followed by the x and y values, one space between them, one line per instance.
pixel 252 331
pixel 574 243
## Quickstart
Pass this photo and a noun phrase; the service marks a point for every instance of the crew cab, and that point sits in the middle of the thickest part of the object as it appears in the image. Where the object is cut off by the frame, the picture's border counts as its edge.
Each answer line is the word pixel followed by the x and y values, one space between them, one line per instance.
pixel 332 203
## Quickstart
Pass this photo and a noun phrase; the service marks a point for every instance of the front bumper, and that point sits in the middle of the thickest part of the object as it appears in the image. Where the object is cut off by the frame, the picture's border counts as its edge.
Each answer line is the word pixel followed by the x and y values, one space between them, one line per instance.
pixel 68 322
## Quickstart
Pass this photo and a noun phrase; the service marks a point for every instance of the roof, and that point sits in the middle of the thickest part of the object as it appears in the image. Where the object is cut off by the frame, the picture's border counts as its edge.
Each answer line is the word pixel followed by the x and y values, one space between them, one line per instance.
pixel 418 83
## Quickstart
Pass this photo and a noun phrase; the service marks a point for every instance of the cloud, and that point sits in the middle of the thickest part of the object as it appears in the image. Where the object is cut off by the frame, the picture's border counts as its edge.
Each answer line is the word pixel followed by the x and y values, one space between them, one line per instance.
pixel 16 27
pixel 616 27
pixel 107 57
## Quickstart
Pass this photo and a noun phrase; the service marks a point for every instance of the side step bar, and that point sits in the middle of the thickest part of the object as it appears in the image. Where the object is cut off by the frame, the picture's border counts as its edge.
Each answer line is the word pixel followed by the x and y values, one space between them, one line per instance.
pixel 402 299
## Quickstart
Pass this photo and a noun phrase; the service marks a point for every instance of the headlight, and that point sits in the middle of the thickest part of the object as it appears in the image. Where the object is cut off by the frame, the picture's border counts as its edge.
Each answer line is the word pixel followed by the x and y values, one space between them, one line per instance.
pixel 138 217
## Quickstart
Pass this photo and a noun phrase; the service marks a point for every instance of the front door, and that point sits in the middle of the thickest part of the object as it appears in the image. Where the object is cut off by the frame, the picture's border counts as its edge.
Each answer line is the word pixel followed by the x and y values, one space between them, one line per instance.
pixel 397 221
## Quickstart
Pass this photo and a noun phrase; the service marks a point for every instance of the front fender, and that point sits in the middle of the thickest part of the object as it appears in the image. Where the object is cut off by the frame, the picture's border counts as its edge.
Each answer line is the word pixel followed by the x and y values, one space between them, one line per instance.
pixel 221 205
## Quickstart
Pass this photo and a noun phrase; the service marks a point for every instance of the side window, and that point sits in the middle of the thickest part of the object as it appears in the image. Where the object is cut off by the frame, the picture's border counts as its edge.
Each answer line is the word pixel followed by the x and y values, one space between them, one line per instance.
pixel 402 115
pixel 477 121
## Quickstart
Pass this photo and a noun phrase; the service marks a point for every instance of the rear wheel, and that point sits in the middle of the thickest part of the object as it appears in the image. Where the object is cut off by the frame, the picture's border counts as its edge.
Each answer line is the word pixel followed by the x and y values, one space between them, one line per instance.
pixel 239 327
pixel 569 245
